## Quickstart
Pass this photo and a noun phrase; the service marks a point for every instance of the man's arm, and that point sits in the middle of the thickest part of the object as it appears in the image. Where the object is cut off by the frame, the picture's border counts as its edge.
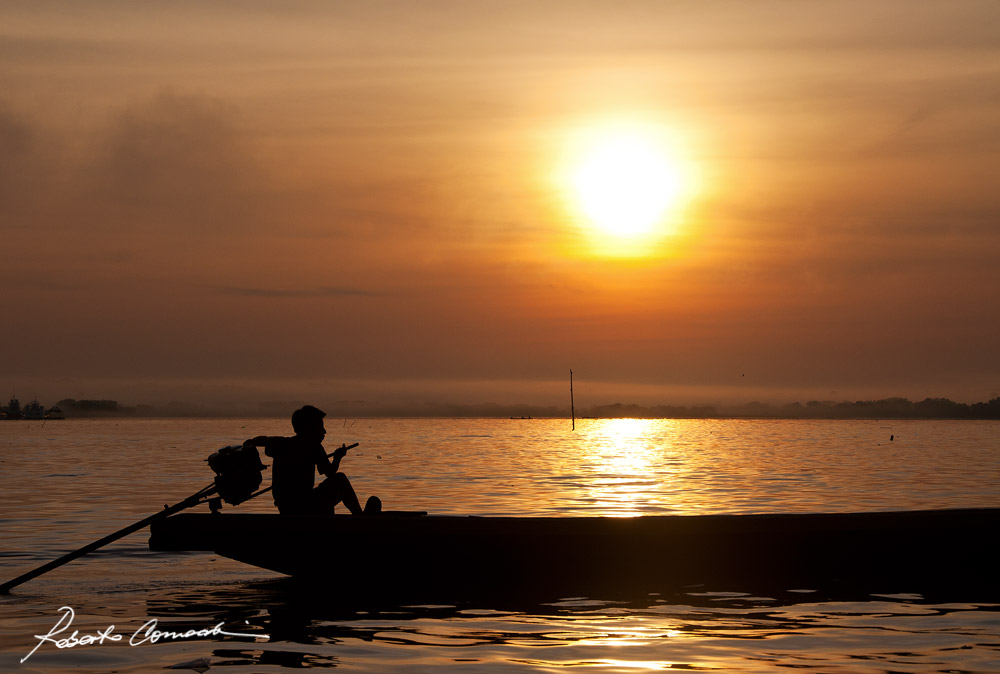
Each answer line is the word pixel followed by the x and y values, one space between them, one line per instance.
pixel 262 441
pixel 327 467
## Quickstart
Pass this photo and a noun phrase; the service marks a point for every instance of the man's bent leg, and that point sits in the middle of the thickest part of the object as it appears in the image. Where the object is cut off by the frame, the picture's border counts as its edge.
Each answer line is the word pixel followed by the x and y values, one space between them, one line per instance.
pixel 335 489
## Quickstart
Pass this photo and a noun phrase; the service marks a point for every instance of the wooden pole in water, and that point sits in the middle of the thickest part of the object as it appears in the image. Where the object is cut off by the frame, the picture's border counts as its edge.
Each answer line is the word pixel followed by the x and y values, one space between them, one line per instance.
pixel 167 511
pixel 572 409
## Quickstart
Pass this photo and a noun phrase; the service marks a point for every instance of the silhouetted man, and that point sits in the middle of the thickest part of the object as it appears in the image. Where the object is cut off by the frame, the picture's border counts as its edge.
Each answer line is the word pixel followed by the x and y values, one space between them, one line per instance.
pixel 295 461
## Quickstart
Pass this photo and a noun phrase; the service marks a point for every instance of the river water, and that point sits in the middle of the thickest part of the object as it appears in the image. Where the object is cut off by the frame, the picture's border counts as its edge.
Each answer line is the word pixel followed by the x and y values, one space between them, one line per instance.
pixel 66 483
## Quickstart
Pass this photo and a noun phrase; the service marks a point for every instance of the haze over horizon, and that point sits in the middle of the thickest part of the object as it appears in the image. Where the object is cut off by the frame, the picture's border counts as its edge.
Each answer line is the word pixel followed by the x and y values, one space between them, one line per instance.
pixel 390 202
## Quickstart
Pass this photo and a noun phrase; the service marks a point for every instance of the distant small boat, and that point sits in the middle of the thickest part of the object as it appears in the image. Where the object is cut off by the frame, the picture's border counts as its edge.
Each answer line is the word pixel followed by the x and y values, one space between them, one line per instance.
pixel 929 551
pixel 55 413
pixel 34 410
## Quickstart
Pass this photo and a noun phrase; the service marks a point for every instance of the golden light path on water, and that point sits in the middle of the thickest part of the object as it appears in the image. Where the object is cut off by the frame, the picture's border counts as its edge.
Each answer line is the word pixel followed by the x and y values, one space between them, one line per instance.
pixel 627 467
pixel 636 455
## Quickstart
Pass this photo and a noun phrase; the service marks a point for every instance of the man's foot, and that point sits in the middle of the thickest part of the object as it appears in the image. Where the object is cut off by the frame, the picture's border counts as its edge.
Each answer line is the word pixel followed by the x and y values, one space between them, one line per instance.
pixel 373 506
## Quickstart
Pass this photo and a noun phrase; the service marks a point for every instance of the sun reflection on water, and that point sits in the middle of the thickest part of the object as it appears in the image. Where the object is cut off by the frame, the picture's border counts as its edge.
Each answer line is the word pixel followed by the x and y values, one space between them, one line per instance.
pixel 630 458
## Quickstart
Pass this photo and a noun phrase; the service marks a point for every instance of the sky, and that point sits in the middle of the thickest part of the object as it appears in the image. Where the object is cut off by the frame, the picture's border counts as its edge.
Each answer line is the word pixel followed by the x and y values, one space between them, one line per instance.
pixel 251 202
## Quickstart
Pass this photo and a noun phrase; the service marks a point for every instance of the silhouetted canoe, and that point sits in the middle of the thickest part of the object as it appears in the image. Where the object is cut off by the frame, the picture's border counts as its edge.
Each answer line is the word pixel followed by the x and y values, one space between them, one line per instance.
pixel 928 552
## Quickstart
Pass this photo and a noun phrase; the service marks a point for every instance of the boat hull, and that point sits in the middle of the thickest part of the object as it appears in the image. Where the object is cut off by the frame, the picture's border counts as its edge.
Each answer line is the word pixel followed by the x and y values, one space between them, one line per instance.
pixel 925 552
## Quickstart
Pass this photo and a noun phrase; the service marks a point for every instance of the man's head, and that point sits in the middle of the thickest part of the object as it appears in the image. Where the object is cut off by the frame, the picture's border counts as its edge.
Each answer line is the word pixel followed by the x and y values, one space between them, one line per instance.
pixel 308 420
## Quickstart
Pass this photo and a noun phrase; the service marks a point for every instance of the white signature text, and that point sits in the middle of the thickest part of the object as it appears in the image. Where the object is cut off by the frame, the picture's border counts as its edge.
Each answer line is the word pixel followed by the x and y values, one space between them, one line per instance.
pixel 146 634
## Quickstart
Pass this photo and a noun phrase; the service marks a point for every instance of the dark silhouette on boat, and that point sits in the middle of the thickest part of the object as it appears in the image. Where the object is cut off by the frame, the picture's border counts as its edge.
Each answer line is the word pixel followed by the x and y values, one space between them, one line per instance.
pixel 296 460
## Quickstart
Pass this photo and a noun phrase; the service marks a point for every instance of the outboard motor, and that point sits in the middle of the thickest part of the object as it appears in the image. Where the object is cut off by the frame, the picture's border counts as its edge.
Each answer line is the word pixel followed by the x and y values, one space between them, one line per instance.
pixel 237 472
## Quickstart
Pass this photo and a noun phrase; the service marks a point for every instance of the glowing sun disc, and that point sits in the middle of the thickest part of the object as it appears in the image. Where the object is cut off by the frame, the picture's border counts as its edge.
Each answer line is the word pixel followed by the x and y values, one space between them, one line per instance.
pixel 624 184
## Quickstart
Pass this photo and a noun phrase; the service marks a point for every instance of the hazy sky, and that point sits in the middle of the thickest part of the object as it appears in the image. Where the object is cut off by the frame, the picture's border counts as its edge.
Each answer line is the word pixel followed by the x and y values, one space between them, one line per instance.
pixel 365 200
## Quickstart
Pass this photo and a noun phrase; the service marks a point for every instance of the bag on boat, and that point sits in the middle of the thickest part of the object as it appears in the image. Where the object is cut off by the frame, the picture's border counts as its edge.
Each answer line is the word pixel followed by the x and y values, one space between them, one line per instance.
pixel 237 472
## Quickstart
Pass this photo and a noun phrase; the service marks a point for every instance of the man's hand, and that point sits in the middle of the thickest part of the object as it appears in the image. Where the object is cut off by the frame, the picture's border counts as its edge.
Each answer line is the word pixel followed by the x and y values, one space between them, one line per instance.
pixel 340 452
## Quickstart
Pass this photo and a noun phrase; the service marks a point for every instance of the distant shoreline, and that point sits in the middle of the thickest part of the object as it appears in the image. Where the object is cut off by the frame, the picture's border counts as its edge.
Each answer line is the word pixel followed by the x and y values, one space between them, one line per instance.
pixel 888 408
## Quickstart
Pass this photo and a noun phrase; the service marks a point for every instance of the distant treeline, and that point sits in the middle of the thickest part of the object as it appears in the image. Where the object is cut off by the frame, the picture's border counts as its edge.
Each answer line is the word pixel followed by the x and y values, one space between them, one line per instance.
pixel 888 408
pixel 94 408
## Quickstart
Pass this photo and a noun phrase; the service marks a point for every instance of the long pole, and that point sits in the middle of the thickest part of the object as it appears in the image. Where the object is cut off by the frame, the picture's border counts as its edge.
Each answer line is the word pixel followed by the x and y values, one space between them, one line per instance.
pixel 192 500
pixel 572 408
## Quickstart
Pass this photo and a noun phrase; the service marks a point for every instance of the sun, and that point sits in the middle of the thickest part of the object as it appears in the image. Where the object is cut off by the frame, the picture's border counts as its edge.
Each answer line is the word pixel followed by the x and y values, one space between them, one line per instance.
pixel 625 184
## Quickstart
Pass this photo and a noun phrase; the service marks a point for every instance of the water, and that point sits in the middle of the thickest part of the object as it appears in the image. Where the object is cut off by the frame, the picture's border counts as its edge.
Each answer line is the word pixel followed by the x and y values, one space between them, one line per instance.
pixel 67 483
